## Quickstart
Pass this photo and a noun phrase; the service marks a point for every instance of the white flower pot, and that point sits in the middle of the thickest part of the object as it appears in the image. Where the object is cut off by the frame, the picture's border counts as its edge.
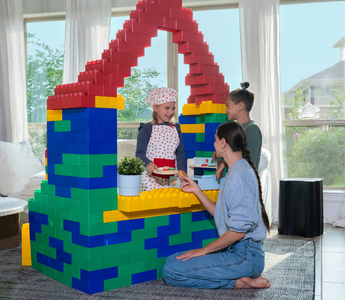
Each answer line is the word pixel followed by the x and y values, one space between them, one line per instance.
pixel 129 185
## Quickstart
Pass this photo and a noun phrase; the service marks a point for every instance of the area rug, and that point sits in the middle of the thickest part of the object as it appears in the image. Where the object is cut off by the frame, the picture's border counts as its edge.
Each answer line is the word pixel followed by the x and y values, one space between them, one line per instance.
pixel 290 267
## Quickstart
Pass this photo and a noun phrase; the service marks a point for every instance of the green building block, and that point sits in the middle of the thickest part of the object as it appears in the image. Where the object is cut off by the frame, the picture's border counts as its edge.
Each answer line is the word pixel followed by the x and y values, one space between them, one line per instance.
pixel 200 137
pixel 200 119
pixel 133 268
pixel 72 271
pixel 182 238
pixel 63 278
pixel 216 118
pixel 206 242
pixel 144 255
pixel 186 218
pixel 46 188
pixel 118 282
pixel 156 221
pixel 155 263
pixel 49 272
pixel 100 229
pixel 118 260
pixel 62 126
pixel 131 246
pixel 143 234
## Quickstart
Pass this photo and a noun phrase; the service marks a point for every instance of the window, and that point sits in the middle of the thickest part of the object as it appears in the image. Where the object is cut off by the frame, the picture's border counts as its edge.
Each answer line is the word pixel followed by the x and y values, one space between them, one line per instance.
pixel 44 71
pixel 221 32
pixel 151 72
pixel 313 90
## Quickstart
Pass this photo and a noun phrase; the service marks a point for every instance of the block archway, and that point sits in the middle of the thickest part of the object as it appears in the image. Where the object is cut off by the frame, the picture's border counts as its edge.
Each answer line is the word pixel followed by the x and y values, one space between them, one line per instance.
pixel 82 234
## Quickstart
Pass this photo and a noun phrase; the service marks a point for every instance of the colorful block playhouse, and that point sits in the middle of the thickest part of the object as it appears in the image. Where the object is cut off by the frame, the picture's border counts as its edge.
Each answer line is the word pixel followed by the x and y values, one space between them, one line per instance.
pixel 82 233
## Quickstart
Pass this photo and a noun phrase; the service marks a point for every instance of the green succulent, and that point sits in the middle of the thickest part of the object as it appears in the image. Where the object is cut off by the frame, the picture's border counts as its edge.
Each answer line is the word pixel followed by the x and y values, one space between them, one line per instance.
pixel 130 166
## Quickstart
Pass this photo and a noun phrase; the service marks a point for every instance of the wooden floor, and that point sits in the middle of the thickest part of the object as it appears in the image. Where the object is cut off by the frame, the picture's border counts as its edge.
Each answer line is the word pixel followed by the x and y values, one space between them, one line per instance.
pixel 330 260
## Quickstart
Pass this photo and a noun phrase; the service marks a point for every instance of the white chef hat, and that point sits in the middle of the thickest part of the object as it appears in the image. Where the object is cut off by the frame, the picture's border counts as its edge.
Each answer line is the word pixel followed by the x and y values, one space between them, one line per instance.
pixel 160 95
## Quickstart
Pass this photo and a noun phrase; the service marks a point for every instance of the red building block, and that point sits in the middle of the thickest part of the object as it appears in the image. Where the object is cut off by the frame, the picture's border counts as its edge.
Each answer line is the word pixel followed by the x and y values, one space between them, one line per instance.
pixel 113 56
pixel 62 89
pixel 117 69
pixel 201 89
pixel 146 18
pixel 109 91
pixel 168 24
pixel 88 75
pixel 135 26
pixel 154 8
pixel 185 25
pixel 129 48
pixel 203 69
pixel 188 36
pixel 192 58
pixel 171 3
pixel 213 79
pixel 215 98
pixel 189 47
pixel 87 87
pixel 184 14
pixel 133 37
pixel 191 99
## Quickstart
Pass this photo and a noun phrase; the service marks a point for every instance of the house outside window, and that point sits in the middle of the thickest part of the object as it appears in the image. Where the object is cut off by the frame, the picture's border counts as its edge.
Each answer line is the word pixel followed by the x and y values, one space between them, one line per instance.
pixel 313 91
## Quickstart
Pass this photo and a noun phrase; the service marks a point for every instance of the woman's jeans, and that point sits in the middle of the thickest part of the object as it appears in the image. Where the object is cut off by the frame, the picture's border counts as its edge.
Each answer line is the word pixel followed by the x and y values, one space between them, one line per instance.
pixel 218 270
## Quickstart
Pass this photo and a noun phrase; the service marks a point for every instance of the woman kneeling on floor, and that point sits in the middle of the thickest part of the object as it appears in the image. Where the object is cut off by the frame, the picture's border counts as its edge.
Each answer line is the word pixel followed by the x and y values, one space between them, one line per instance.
pixel 237 258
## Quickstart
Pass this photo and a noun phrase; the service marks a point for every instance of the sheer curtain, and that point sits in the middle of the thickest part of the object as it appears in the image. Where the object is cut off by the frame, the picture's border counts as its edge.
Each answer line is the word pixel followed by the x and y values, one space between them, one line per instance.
pixel 259 28
pixel 86 34
pixel 13 115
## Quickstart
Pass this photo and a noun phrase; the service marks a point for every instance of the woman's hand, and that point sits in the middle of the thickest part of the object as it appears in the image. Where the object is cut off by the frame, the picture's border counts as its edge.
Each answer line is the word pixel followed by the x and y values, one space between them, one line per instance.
pixel 192 253
pixel 150 167
pixel 220 169
pixel 188 185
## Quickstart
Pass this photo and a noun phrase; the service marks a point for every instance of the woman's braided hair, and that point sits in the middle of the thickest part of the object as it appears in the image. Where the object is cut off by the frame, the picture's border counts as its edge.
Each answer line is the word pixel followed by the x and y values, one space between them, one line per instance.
pixel 235 137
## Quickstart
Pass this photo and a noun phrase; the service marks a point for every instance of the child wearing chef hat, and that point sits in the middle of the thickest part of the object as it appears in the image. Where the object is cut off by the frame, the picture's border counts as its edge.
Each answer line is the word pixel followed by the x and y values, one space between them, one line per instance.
pixel 159 142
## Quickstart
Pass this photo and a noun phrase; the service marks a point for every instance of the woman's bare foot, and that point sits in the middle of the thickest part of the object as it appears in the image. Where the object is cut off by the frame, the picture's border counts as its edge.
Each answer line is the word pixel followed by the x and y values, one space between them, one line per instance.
pixel 249 283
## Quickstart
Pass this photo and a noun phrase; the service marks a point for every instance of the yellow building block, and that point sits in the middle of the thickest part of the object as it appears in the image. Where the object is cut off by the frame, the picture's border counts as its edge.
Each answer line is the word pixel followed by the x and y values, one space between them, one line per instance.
pixel 26 249
pixel 158 202
pixel 190 109
pixel 129 204
pixel 54 115
pixel 192 128
pixel 110 102
pixel 116 215
pixel 208 107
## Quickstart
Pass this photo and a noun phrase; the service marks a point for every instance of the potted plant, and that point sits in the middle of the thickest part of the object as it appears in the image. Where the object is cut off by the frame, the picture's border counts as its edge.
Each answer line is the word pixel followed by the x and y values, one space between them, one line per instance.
pixel 129 169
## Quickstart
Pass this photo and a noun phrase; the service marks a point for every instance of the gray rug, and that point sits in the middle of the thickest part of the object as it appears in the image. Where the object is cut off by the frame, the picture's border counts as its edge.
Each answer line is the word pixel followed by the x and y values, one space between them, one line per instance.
pixel 290 267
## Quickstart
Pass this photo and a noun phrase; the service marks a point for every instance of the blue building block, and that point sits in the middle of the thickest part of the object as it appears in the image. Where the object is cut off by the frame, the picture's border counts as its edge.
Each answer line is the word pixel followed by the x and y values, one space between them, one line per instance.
pixel 204 235
pixel 201 215
pixel 144 276
pixel 187 119
pixel 62 191
pixel 130 225
pixel 188 137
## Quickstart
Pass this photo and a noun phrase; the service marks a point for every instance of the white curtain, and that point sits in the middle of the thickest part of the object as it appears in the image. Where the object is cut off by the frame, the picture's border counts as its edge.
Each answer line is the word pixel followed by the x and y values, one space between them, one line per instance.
pixel 13 114
pixel 86 34
pixel 259 29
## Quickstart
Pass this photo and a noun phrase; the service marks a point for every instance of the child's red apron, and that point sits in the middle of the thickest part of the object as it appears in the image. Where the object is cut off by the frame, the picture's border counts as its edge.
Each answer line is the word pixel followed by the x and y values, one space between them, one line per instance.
pixel 162 146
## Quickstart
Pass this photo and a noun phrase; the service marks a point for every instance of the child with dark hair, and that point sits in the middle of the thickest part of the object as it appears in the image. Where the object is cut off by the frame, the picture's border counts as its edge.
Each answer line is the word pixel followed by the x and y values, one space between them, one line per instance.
pixel 236 259
pixel 239 103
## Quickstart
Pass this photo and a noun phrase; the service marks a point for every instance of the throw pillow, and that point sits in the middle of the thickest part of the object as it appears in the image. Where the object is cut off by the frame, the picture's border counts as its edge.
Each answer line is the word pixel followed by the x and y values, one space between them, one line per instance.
pixel 17 165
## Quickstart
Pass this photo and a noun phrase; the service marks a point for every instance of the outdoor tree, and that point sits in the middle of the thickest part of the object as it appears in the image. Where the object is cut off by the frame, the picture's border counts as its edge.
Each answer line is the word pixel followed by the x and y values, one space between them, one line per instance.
pixel 44 73
pixel 134 92
pixel 316 152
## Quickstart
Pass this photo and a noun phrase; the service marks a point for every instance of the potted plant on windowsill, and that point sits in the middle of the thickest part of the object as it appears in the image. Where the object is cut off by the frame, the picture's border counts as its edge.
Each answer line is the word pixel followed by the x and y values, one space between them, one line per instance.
pixel 129 169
